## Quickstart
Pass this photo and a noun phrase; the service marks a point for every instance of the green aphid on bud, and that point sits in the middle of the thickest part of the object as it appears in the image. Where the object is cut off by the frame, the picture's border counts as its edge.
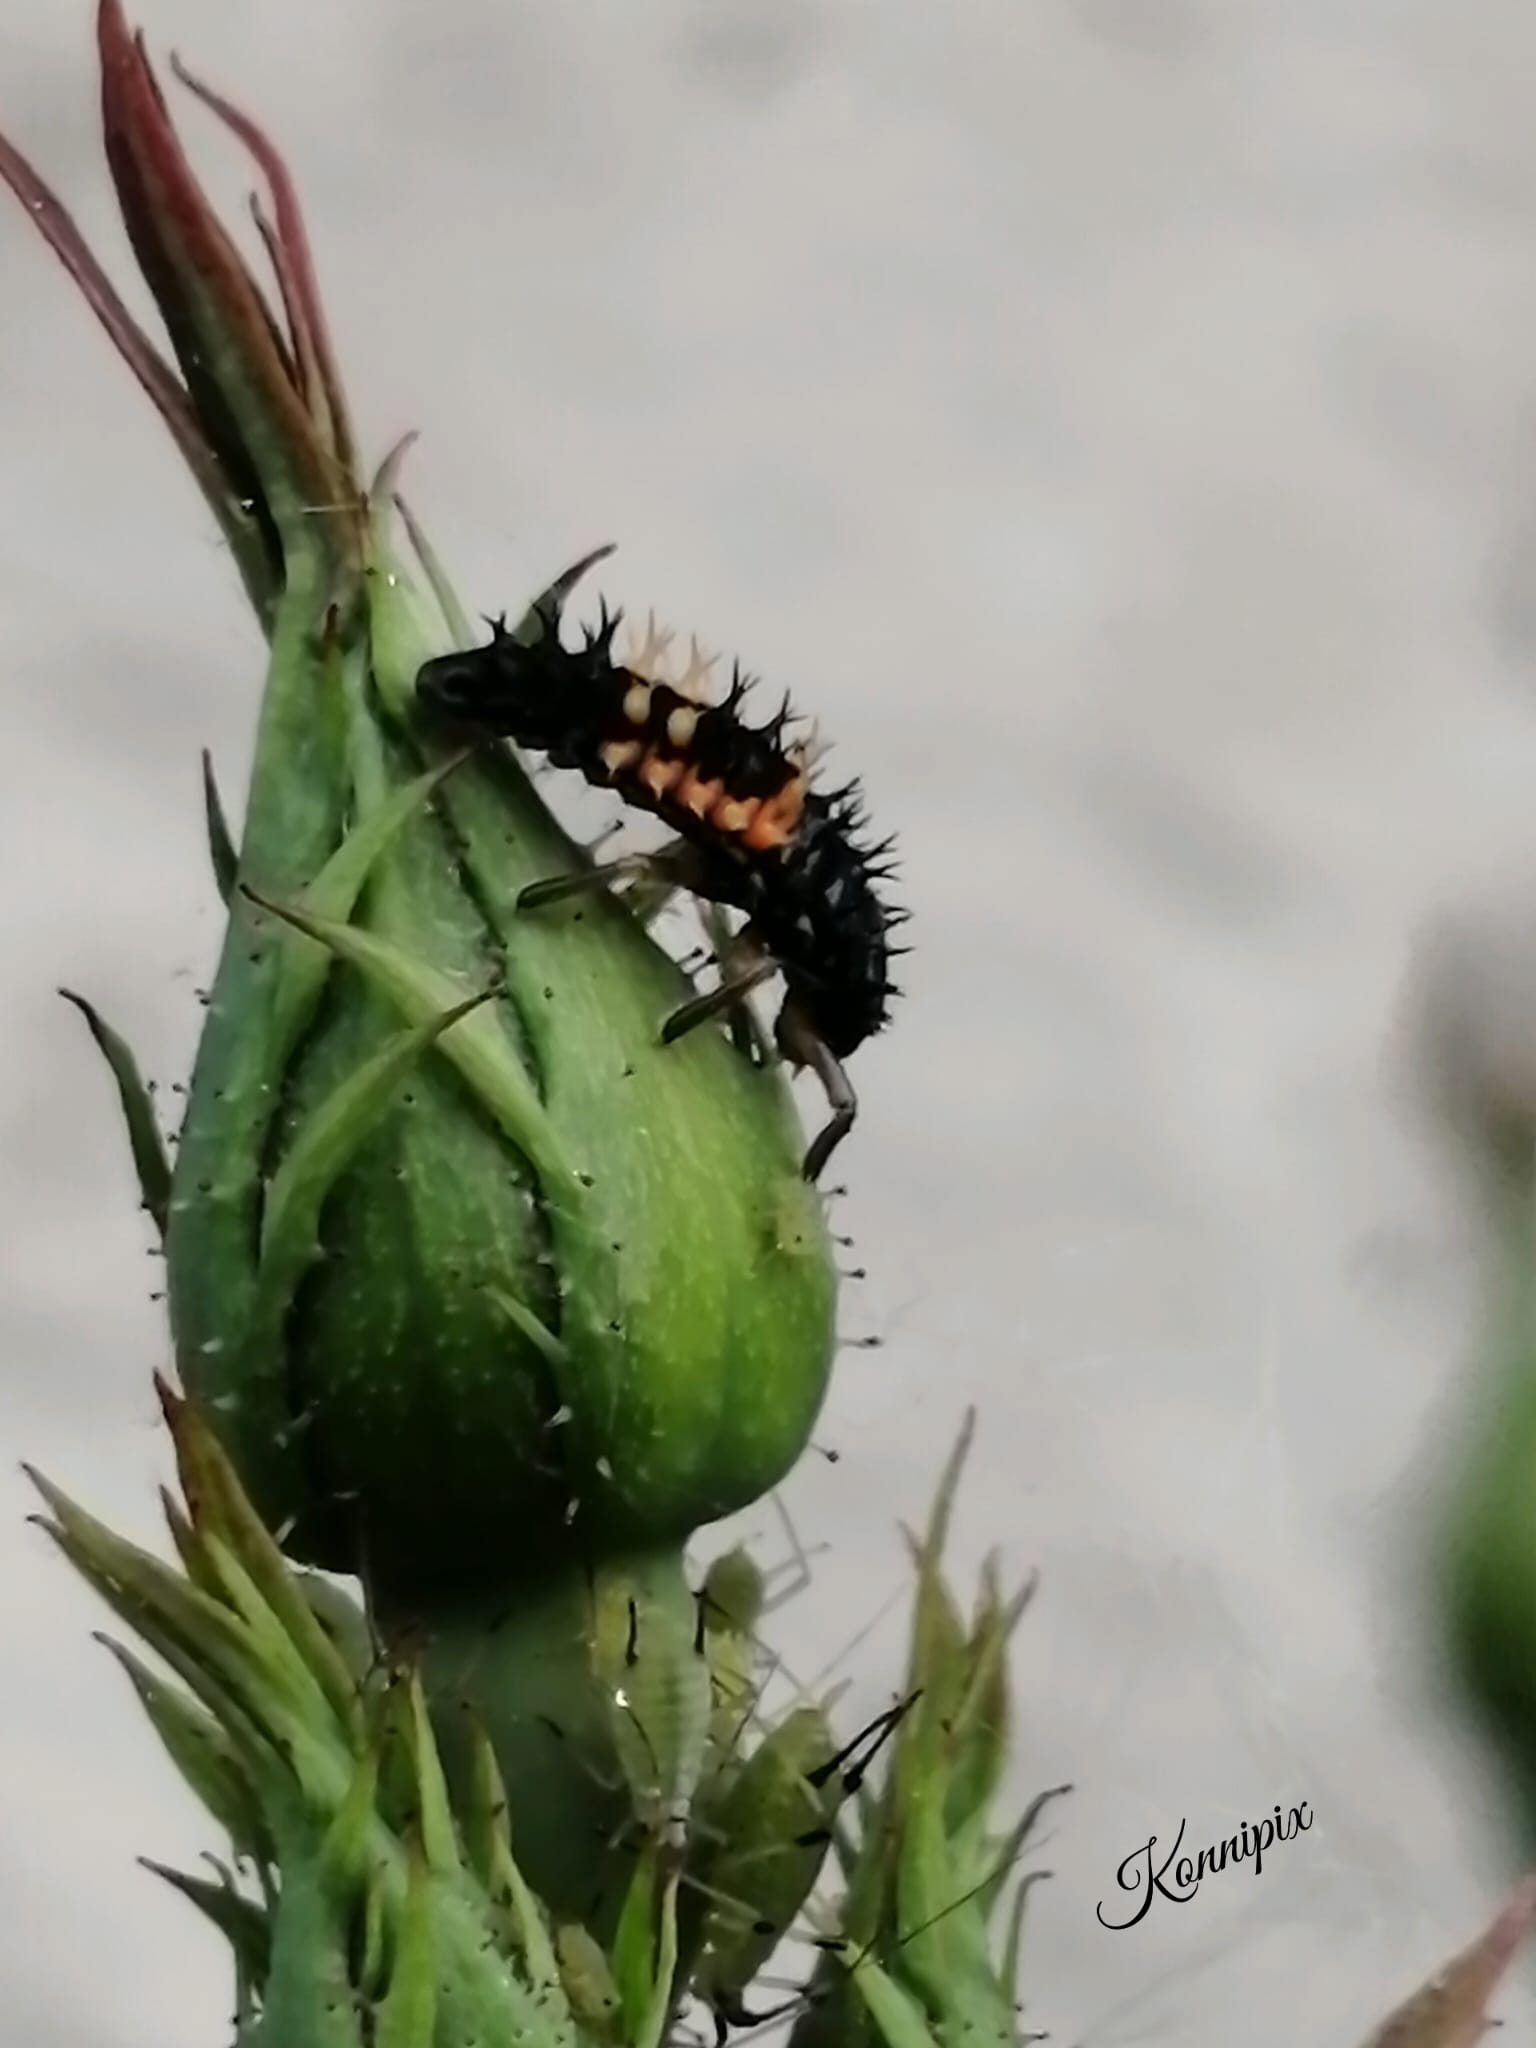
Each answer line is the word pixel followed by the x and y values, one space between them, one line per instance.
pixel 734 1594
pixel 731 1599
pixel 736 1597
pixel 772 1831
pixel 648 1654
pixel 587 1979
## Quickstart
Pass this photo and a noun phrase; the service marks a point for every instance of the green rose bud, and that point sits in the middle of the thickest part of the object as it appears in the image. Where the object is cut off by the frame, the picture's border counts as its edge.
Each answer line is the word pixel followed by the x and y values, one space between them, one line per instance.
pixel 461 1255
pixel 452 1281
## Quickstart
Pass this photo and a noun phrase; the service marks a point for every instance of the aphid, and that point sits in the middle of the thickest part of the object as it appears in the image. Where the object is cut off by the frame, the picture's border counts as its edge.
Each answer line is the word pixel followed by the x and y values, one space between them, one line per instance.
pixel 651 1664
pixel 674 1670
pixel 588 1982
pixel 752 829
pixel 774 1828
pixel 734 1599
pixel 993 2017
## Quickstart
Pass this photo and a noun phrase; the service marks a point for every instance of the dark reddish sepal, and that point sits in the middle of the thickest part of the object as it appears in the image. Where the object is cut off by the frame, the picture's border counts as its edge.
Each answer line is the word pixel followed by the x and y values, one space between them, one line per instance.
pixel 261 418
pixel 242 375
pixel 288 247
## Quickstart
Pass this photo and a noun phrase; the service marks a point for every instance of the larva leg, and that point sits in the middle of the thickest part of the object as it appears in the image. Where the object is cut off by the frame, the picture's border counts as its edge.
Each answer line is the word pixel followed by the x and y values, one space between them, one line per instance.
pixel 587 882
pixel 746 1028
pixel 648 897
pixel 730 992
pixel 668 865
pixel 801 1045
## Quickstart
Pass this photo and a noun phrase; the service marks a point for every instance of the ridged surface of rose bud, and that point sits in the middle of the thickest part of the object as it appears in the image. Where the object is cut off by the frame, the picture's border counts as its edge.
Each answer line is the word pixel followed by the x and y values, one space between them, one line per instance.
pixel 454 1287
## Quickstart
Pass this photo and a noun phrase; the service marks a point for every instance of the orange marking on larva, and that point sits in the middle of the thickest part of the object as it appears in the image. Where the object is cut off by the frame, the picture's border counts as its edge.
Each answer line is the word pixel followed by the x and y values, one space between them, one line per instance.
pixel 658 774
pixel 768 830
pixel 696 795
pixel 617 755
pixel 781 813
pixel 736 814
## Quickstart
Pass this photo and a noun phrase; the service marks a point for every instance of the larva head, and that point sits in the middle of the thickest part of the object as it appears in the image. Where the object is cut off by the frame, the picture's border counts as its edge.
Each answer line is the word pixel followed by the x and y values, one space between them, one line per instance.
pixel 453 685
pixel 512 686
pixel 519 684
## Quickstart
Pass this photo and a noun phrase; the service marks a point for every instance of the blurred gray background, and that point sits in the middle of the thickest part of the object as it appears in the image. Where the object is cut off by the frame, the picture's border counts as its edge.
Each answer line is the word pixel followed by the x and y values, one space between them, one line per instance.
pixel 1115 419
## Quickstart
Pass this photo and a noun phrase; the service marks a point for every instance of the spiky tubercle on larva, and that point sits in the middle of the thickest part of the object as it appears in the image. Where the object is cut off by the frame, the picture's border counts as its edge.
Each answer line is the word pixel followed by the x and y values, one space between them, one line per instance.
pixel 665 711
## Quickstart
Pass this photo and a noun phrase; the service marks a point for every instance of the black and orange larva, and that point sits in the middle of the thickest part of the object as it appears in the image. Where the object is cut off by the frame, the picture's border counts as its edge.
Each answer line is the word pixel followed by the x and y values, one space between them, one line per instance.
pixel 752 831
